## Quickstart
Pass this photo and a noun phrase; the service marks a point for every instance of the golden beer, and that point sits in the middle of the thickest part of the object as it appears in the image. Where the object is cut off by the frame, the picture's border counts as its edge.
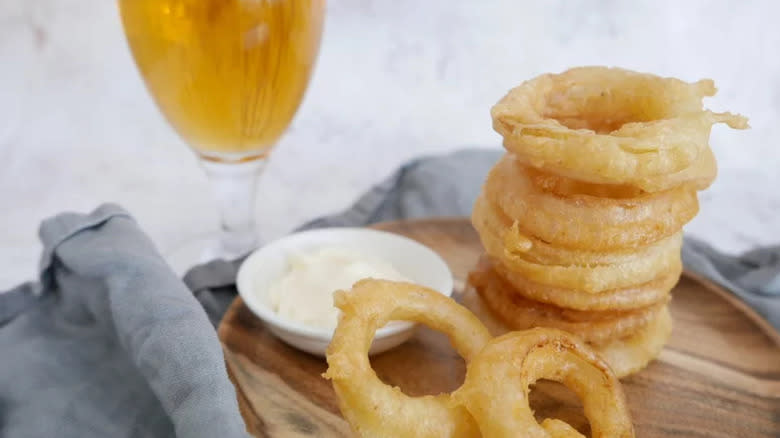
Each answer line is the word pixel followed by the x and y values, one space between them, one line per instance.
pixel 228 74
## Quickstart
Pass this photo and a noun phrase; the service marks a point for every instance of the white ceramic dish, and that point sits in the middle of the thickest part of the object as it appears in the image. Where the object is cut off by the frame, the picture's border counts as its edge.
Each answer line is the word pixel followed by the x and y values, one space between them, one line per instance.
pixel 412 259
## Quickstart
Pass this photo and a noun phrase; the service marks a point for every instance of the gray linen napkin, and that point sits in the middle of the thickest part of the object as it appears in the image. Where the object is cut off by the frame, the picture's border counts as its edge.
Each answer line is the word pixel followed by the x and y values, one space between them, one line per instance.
pixel 110 343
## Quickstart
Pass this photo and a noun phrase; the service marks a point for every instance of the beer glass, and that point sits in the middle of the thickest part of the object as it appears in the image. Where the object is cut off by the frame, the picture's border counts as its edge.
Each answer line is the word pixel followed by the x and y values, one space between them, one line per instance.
pixel 228 75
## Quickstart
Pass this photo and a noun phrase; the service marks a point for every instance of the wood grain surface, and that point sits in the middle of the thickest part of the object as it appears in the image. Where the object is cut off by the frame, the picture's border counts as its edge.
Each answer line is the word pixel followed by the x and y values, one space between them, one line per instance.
pixel 719 376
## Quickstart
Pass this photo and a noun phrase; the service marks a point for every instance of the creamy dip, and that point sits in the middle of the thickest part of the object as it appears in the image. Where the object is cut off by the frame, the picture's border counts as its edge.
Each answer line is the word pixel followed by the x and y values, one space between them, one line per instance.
pixel 305 292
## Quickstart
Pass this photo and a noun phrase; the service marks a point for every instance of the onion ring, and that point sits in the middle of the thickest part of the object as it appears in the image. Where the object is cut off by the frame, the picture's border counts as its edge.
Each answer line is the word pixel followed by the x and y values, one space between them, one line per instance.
pixel 584 221
pixel 608 125
pixel 602 274
pixel 498 381
pixel 631 297
pixel 625 356
pixel 502 231
pixel 519 313
pixel 373 408
pixel 699 176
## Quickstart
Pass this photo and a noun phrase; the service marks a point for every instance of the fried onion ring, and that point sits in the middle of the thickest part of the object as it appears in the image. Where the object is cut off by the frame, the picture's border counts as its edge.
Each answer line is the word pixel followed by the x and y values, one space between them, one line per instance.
pixel 631 297
pixel 585 221
pixel 625 356
pixel 371 407
pixel 498 382
pixel 608 125
pixel 699 176
pixel 519 313
pixel 488 218
pixel 587 271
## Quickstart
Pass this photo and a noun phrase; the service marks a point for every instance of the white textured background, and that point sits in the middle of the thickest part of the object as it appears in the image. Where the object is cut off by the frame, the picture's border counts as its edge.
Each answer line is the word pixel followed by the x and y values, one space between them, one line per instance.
pixel 395 79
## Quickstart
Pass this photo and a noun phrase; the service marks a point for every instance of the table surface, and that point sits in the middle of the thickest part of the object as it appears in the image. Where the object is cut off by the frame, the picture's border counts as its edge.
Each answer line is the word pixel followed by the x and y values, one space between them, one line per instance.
pixel 394 80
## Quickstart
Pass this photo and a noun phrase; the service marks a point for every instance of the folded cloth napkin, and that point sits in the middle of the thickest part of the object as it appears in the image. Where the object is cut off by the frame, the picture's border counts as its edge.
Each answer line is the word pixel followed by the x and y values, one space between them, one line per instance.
pixel 110 344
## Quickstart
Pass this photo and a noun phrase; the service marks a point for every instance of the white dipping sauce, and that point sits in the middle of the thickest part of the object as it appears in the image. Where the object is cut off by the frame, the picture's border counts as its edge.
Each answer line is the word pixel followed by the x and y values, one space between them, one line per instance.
pixel 305 292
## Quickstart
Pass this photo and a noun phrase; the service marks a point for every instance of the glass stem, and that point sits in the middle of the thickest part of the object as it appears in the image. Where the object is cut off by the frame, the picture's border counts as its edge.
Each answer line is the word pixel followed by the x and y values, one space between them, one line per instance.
pixel 234 186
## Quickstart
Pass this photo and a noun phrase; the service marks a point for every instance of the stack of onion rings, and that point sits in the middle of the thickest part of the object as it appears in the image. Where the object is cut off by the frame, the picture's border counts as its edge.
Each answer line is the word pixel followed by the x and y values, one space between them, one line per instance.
pixel 581 222
pixel 582 219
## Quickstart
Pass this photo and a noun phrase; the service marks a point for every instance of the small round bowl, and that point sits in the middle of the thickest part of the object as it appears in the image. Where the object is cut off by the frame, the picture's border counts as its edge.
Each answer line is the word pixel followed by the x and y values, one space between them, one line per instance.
pixel 413 260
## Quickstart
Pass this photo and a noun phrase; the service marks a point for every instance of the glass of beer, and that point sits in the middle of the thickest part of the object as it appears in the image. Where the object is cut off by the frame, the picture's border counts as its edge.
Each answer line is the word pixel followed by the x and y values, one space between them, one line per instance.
pixel 228 75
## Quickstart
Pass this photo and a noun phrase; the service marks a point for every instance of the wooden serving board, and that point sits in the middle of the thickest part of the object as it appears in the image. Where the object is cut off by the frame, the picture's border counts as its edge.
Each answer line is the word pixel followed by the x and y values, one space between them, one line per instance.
pixel 719 376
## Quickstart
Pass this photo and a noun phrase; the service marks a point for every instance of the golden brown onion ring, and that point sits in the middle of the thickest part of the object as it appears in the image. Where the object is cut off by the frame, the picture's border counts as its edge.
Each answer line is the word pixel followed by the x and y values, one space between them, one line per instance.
pixel 584 221
pixel 608 125
pixel 372 408
pixel 699 176
pixel 520 313
pixel 605 272
pixel 631 297
pixel 500 230
pixel 625 356
pixel 498 382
